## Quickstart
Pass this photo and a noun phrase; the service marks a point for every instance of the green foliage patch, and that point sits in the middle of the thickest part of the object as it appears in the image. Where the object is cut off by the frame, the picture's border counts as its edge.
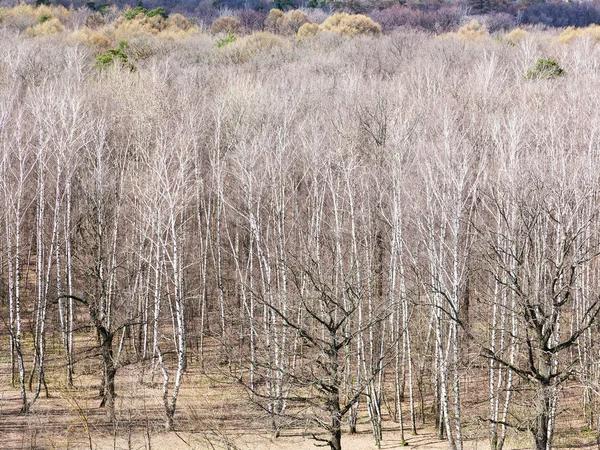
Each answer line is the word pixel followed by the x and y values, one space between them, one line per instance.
pixel 545 69
pixel 139 9
pixel 132 13
pixel 157 12
pixel 114 55
pixel 44 18
pixel 226 40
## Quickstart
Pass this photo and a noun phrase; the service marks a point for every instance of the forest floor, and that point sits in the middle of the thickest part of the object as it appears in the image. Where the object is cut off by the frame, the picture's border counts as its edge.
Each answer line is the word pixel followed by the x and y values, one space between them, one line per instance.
pixel 209 418
pixel 213 412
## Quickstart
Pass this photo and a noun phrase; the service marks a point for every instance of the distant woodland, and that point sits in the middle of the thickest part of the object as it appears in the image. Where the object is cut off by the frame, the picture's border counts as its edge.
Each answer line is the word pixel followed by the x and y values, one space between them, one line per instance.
pixel 355 217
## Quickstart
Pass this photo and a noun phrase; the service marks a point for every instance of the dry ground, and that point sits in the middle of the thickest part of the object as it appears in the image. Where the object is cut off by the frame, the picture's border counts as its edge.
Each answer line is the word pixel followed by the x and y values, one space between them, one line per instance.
pixel 210 417
pixel 213 413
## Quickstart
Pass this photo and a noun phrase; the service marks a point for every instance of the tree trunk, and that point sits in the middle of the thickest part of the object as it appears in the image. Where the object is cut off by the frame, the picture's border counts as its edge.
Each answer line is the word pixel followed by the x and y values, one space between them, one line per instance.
pixel 544 403
pixel 335 442
pixel 335 439
pixel 110 371
pixel 542 420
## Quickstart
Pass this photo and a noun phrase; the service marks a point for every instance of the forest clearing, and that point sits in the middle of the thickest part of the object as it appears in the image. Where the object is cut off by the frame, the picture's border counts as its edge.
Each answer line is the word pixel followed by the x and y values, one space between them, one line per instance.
pixel 305 229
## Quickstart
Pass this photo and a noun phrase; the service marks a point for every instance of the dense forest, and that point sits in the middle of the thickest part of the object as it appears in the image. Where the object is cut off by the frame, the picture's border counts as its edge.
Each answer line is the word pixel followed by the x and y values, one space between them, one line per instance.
pixel 346 222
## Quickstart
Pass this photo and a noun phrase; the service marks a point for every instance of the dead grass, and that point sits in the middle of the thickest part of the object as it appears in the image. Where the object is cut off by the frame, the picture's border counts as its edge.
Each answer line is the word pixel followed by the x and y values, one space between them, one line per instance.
pixel 213 412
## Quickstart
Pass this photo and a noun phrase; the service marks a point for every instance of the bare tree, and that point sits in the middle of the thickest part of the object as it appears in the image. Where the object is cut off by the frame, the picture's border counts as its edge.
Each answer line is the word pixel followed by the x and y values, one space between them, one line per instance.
pixel 542 268
pixel 97 253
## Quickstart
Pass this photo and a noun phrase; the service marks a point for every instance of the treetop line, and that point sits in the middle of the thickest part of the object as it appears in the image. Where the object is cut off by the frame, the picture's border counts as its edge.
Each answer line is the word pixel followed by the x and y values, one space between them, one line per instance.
pixel 341 226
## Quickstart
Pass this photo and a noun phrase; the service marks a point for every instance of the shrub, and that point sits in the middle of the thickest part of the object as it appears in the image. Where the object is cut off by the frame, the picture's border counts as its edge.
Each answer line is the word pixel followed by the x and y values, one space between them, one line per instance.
pixel 308 30
pixel 142 25
pixel 295 20
pixel 248 47
pixel 350 24
pixel 156 23
pixel 179 21
pixel 24 16
pixel 99 42
pixel 473 31
pixel 48 27
pixel 571 33
pixel 262 41
pixel 545 69
pixel 279 22
pixel 225 24
pixel 275 21
pixel 96 41
pixel 568 34
pixel 516 36
pixel 114 56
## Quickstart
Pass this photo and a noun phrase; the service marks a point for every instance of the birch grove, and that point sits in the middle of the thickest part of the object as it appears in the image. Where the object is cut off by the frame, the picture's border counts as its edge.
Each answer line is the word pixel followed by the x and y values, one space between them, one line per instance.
pixel 350 234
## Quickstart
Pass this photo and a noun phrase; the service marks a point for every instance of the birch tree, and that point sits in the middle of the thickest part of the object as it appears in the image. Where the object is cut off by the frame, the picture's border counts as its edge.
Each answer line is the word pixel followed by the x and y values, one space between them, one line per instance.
pixel 172 160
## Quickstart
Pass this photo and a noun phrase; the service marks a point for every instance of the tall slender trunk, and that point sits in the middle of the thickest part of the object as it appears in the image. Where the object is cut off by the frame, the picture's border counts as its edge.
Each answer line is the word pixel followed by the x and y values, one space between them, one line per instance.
pixel 158 264
pixel 456 308
pixel 406 333
pixel 397 389
pixel 11 304
pixel 69 305
pixel 17 215
pixel 353 416
pixel 204 245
